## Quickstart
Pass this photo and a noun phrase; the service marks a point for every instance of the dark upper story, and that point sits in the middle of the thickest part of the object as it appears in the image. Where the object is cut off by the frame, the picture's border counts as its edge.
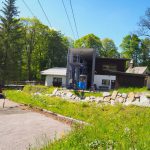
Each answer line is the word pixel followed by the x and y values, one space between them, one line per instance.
pixel 112 64
pixel 85 57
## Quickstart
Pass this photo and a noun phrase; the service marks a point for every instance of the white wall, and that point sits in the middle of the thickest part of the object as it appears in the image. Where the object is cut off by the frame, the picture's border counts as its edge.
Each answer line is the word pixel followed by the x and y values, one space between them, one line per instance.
pixel 49 80
pixel 98 79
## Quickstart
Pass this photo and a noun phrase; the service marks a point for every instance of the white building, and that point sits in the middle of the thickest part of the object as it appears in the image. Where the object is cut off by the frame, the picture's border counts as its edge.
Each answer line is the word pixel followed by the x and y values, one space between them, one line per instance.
pixel 55 76
pixel 105 81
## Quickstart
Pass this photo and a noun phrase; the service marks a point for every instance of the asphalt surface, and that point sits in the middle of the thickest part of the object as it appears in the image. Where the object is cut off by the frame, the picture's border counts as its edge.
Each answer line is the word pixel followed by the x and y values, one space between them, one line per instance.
pixel 24 129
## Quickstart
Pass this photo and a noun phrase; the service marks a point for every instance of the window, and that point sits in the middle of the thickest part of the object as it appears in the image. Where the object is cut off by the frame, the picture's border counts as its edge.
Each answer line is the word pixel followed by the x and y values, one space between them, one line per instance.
pixel 105 82
pixel 57 79
pixel 110 67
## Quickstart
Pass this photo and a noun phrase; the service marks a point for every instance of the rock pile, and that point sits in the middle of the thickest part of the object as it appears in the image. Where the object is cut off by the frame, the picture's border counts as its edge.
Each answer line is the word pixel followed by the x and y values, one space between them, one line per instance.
pixel 65 94
pixel 107 98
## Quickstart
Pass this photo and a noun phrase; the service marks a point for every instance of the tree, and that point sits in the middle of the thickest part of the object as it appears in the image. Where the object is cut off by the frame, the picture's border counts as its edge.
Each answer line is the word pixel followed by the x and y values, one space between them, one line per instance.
pixel 10 35
pixel 144 24
pixel 109 48
pixel 145 56
pixel 131 48
pixel 44 48
pixel 89 41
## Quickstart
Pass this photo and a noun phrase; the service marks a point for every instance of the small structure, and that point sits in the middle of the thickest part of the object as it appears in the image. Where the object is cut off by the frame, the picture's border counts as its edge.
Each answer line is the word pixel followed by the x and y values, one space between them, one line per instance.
pixel 55 76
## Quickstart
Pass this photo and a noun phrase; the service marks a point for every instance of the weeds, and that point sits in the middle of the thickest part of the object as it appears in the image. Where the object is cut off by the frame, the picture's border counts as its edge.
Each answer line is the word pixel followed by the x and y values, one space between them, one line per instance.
pixel 112 127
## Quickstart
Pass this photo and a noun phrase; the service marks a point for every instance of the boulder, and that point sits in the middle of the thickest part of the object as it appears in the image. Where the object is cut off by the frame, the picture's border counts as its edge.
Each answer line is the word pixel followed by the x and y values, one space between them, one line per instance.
pixel 124 95
pixel 77 98
pixel 73 97
pixel 69 94
pixel 106 94
pixel 120 99
pixel 54 92
pixel 112 102
pixel 114 95
pixel 119 95
pixel 92 97
pixel 107 99
pixel 131 97
pixel 58 93
pixel 87 98
pixel 137 96
pixel 99 99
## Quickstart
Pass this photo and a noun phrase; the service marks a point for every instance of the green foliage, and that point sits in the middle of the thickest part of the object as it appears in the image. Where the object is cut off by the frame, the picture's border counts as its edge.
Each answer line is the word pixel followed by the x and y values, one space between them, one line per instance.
pixel 10 42
pixel 89 41
pixel 111 127
pixel 131 48
pixel 44 48
pixel 27 46
pixel 96 94
pixel 105 47
pixel 145 56
pixel 109 48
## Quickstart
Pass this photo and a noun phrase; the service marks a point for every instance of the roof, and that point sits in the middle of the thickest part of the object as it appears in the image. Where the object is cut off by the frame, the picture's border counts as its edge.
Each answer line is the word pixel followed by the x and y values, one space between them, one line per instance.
pixel 125 73
pixel 83 52
pixel 137 70
pixel 55 71
pixel 108 58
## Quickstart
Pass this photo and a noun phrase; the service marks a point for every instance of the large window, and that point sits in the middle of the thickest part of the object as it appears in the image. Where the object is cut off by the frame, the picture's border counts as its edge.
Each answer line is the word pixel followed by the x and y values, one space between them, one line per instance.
pixel 105 82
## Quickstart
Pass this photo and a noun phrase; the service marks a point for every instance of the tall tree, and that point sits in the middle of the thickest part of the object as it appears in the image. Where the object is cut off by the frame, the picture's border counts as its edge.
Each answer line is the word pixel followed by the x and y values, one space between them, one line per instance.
pixel 131 48
pixel 10 35
pixel 44 48
pixel 89 41
pixel 109 48
pixel 144 24
pixel 145 55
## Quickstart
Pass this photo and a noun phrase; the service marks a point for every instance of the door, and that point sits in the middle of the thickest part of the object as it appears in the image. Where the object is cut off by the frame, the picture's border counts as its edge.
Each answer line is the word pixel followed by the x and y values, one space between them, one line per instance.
pixel 112 84
pixel 57 82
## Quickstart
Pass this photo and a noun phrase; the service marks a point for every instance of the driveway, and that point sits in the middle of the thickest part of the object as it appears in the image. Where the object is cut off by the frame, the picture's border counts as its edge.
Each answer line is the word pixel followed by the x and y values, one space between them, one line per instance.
pixel 24 129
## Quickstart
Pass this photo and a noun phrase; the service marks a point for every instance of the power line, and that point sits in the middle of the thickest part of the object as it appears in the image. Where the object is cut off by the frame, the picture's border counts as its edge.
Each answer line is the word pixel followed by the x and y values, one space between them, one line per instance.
pixel 28 8
pixel 74 18
pixel 68 18
pixel 45 14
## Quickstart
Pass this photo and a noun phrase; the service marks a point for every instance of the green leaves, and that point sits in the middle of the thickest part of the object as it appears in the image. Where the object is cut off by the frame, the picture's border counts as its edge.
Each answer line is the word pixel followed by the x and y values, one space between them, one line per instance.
pixel 10 35
pixel 106 47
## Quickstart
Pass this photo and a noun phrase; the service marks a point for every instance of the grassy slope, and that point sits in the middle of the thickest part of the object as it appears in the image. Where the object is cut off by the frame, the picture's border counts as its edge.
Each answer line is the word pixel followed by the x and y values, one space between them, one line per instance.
pixel 132 89
pixel 119 127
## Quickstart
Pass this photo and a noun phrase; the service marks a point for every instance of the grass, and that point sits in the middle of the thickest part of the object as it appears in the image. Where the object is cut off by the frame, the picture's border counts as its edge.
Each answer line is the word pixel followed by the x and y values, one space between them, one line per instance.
pixel 87 94
pixel 112 127
pixel 132 89
pixel 38 88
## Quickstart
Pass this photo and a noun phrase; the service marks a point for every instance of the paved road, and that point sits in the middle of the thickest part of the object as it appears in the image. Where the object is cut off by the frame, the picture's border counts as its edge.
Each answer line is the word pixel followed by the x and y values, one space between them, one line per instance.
pixel 22 129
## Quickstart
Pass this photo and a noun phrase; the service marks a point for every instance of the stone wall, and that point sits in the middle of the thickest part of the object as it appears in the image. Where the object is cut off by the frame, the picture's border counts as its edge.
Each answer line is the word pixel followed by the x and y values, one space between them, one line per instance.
pixel 140 99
